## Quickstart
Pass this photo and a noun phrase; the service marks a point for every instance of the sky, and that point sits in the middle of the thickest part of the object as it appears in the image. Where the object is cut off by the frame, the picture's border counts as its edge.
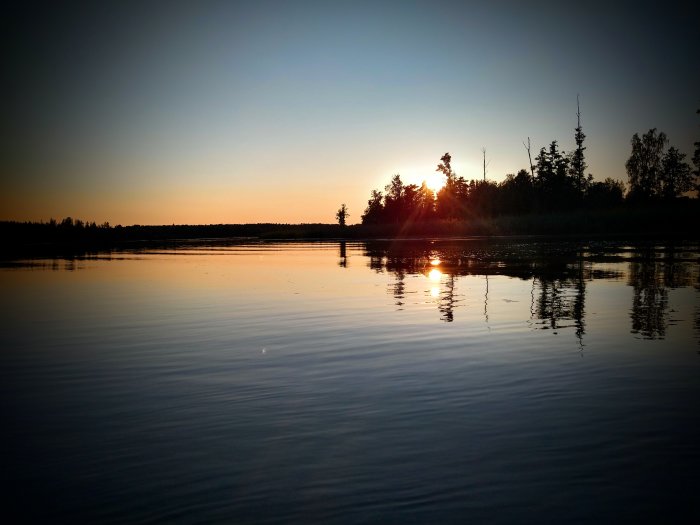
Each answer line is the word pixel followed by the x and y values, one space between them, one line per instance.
pixel 237 112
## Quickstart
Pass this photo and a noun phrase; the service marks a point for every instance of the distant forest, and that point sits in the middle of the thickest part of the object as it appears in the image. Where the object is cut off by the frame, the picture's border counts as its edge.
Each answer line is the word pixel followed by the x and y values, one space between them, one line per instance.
pixel 555 182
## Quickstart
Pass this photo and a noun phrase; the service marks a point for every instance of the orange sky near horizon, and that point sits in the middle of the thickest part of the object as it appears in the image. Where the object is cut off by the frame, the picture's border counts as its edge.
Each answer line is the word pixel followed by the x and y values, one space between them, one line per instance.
pixel 273 112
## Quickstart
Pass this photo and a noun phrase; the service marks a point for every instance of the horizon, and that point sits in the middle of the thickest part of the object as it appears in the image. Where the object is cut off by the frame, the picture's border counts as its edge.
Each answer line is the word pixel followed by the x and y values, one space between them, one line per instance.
pixel 271 113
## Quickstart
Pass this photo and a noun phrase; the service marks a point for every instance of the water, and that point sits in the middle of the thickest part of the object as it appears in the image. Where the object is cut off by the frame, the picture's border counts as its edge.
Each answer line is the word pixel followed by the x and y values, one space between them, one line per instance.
pixel 405 382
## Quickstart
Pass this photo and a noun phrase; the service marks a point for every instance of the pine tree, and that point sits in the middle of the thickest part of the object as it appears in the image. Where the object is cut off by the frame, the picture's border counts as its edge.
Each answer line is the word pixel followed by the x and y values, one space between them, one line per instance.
pixel 578 161
pixel 696 161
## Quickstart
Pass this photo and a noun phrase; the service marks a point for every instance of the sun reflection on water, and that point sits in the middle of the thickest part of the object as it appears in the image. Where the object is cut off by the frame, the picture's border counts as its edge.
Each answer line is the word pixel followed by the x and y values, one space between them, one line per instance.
pixel 434 275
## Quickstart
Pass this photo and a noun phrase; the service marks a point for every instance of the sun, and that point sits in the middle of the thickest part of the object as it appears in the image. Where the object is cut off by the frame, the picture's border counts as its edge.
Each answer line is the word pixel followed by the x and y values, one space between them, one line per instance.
pixel 435 181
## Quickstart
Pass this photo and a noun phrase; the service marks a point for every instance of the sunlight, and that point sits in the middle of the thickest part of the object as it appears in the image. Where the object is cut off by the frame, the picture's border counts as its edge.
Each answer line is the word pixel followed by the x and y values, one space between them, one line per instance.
pixel 435 181
pixel 434 274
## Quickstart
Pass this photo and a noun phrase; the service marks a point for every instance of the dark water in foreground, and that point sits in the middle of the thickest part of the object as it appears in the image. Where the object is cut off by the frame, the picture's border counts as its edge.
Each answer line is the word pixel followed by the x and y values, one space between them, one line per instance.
pixel 353 383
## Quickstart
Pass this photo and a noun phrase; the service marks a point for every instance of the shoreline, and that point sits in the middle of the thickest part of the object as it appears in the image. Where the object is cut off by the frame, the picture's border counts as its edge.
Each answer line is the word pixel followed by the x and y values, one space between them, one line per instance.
pixel 673 223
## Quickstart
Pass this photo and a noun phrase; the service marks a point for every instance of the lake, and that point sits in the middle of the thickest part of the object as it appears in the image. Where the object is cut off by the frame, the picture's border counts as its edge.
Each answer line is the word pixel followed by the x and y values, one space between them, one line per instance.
pixel 474 381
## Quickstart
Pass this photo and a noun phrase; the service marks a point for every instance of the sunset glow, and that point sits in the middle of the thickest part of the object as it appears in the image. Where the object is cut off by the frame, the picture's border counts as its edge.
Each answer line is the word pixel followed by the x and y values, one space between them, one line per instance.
pixel 435 181
pixel 236 112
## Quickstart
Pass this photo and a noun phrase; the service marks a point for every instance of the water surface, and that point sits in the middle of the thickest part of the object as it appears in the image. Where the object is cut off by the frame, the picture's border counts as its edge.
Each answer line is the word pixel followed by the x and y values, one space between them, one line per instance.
pixel 394 382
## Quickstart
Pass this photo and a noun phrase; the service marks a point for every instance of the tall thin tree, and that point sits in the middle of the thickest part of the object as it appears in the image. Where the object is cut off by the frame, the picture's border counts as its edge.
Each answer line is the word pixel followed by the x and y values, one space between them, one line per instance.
pixel 483 150
pixel 529 156
pixel 578 161
pixel 696 161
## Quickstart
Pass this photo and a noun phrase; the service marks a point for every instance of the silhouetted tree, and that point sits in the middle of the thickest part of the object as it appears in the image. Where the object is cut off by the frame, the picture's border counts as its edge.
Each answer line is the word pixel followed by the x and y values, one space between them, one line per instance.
pixel 374 213
pixel 400 204
pixel 578 161
pixel 482 198
pixel 445 166
pixel 554 187
pixel 644 165
pixel 425 202
pixel 394 199
pixel 529 156
pixel 342 214
pixel 516 193
pixel 696 161
pixel 448 205
pixel 551 164
pixel 606 194
pixel 410 200
pixel 676 175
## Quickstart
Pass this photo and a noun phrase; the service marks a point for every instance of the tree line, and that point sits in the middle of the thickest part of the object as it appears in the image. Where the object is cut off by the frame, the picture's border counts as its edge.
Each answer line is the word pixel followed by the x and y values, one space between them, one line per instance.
pixel 556 182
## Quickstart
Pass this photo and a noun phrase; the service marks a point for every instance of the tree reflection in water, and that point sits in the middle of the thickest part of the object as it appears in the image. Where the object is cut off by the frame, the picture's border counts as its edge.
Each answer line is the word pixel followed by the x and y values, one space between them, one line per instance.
pixel 559 272
pixel 343 255
pixel 560 291
pixel 651 275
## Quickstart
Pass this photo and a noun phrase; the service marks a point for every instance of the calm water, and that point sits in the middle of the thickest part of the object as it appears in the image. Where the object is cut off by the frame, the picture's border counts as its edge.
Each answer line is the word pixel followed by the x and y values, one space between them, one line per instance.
pixel 354 383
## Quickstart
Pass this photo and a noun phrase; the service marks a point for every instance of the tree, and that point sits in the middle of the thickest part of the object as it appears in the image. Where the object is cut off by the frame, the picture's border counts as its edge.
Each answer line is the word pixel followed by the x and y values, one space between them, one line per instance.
pixel 578 162
pixel 450 197
pixel 410 203
pixel 552 164
pixel 644 165
pixel 446 168
pixel 483 150
pixel 529 156
pixel 481 198
pixel 401 203
pixel 393 200
pixel 676 175
pixel 425 202
pixel 516 193
pixel 553 186
pixel 342 214
pixel 606 194
pixel 696 161
pixel 374 212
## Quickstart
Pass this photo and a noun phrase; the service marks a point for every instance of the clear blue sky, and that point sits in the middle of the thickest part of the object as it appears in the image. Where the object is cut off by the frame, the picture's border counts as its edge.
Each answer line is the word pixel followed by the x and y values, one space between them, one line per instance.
pixel 211 112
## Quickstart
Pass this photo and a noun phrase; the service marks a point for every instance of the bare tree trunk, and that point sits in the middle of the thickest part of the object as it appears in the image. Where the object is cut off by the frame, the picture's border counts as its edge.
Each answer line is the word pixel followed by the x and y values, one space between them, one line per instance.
pixel 529 156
